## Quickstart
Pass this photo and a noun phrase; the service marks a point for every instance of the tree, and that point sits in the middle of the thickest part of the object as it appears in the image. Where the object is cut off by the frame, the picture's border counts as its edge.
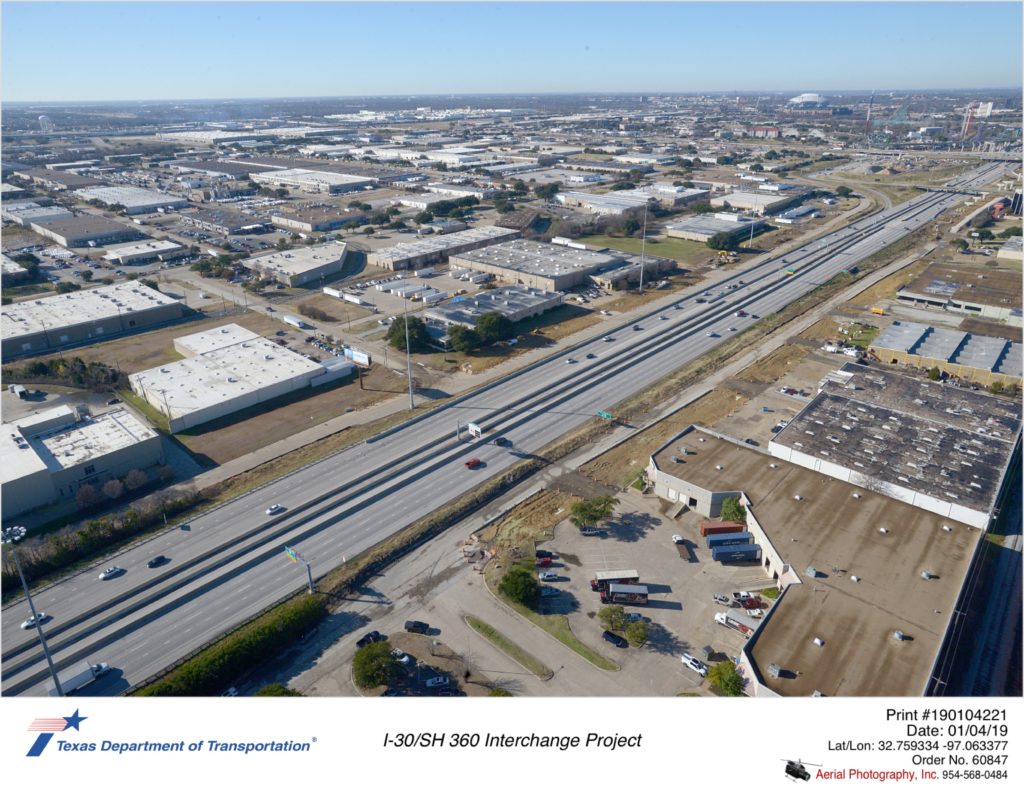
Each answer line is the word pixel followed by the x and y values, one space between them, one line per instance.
pixel 631 226
pixel 723 241
pixel 521 586
pixel 732 511
pixel 499 692
pixel 985 234
pixel 277 690
pixel 960 244
pixel 546 191
pixel 64 287
pixel 757 167
pixel 703 207
pixel 995 388
pixel 418 337
pixel 113 488
pixel 1008 232
pixel 844 191
pixel 726 678
pixel 934 374
pixel 587 513
pixel 637 633
pixel 463 339
pixel 494 326
pixel 86 495
pixel 135 479
pixel 424 217
pixel 86 275
pixel 374 666
pixel 613 617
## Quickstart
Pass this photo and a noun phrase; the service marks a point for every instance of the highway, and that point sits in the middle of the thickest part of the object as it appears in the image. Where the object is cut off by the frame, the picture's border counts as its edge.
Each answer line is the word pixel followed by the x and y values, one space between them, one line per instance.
pixel 230 563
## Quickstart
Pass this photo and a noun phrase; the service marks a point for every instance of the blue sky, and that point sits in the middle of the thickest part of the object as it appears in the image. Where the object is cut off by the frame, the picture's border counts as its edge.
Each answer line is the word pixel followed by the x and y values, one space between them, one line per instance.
pixel 89 51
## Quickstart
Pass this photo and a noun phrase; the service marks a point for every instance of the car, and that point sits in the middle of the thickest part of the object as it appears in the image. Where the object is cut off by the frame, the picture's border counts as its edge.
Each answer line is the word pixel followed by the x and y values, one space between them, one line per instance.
pixel 608 339
pixel 112 401
pixel 417 626
pixel 664 318
pixel 402 657
pixel 739 313
pixel 695 665
pixel 711 334
pixel 750 441
pixel 30 622
pixel 370 637
pixel 590 531
pixel 545 592
pixel 677 539
pixel 110 573
pixel 275 508
pixel 614 639
pixel 437 681
pixel 473 463
pixel 637 328
pixel 503 442
pixel 633 617
pixel 230 692
pixel 591 355
pixel 732 329
pixel 701 300
pixel 159 560
pixel 547 576
pixel 543 553
pixel 543 562
pixel 570 361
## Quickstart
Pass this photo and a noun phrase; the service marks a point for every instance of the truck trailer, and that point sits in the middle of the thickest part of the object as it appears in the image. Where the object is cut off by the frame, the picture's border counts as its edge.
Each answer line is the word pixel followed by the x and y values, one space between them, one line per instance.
pixel 624 594
pixel 743 624
pixel 711 527
pixel 737 553
pixel 73 680
pixel 727 539
pixel 603 579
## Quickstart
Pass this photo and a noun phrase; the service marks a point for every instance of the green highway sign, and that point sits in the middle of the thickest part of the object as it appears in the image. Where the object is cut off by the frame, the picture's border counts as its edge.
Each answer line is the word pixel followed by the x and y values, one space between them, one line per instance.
pixel 605 415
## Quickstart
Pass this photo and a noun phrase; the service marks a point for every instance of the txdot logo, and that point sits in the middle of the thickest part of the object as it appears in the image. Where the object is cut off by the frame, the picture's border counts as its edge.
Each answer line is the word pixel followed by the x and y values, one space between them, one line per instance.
pixel 49 726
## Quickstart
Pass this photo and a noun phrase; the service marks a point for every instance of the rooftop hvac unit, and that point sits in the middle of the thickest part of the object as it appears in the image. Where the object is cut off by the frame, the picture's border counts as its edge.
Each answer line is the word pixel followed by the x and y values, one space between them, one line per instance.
pixel 797 497
pixel 675 460
pixel 898 636
pixel 773 466
pixel 812 572
pixel 883 530
pixel 947 528
pixel 774 670
pixel 819 642
pixel 855 578
pixel 927 575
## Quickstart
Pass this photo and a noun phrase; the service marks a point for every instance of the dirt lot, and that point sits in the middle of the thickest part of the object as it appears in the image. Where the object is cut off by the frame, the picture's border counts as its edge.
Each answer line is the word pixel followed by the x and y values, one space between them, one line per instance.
pixel 250 429
pixel 887 287
pixel 773 365
pixel 340 311
pixel 619 466
pixel 822 330
pixel 531 521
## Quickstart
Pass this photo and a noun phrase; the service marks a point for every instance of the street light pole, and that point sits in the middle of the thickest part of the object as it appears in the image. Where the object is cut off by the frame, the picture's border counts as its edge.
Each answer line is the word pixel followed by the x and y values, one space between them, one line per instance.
pixel 11 536
pixel 408 355
pixel 643 248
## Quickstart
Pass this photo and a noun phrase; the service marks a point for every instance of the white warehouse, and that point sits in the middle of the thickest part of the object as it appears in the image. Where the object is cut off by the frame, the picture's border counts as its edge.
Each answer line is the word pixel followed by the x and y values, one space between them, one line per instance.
pixel 227 369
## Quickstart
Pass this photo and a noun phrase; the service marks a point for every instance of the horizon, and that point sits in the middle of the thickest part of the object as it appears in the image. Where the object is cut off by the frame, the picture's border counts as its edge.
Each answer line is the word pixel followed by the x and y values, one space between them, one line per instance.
pixel 220 52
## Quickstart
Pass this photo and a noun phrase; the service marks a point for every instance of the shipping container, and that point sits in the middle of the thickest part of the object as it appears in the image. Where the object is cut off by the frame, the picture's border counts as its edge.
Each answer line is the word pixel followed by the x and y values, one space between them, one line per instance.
pixel 728 539
pixel 737 553
pixel 710 527
pixel 624 594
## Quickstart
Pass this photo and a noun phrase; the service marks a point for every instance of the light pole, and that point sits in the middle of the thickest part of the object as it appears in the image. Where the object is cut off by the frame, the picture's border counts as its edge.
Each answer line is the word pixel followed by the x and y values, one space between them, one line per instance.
pixel 643 248
pixel 11 535
pixel 408 355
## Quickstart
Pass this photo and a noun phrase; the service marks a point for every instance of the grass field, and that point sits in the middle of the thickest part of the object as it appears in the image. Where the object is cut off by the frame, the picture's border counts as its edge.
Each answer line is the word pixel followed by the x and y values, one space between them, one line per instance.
pixel 682 250
pixel 513 650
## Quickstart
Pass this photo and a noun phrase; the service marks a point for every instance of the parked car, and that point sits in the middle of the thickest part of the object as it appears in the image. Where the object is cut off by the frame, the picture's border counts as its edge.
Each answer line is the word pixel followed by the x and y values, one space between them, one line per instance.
pixel 632 617
pixel 437 681
pixel 370 637
pixel 543 553
pixel 159 560
pixel 545 592
pixel 110 573
pixel 695 665
pixel 547 576
pixel 614 639
pixel 402 657
pixel 275 508
pixel 417 626
pixel 590 531
pixel 677 539
pixel 542 562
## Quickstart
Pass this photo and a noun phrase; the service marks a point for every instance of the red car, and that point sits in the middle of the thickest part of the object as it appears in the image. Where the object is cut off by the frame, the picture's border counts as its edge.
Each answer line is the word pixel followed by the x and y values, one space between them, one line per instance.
pixel 542 562
pixel 472 464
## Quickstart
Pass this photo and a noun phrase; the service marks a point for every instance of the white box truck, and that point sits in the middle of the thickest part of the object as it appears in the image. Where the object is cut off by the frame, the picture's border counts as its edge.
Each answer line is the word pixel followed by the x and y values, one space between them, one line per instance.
pixel 72 680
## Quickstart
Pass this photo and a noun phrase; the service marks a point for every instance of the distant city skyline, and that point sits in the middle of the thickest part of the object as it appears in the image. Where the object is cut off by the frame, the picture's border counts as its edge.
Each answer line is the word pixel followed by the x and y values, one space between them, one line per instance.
pixel 56 52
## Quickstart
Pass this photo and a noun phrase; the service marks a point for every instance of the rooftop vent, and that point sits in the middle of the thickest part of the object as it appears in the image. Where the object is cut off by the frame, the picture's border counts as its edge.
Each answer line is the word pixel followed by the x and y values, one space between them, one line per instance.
pixel 947 528
pixel 718 467
pixel 927 575
pixel 883 530
pixel 855 578
pixel 856 495
pixel 797 497
pixel 899 636
pixel 819 642
pixel 773 466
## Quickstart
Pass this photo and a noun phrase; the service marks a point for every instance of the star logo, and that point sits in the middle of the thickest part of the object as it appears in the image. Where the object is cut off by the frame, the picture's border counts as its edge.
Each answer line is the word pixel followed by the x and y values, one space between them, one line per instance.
pixel 47 726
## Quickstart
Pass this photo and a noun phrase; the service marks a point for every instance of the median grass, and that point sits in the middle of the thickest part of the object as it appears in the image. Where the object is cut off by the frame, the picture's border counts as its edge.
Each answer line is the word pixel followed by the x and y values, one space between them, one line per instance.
pixel 513 650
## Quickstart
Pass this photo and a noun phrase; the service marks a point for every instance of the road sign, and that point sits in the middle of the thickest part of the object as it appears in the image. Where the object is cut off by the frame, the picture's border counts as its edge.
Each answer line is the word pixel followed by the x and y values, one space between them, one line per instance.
pixel 474 430
pixel 605 415
pixel 292 554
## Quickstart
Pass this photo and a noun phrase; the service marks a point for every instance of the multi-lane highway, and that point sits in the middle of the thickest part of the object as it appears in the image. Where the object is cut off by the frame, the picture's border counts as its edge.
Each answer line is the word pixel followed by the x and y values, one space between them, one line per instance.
pixel 230 564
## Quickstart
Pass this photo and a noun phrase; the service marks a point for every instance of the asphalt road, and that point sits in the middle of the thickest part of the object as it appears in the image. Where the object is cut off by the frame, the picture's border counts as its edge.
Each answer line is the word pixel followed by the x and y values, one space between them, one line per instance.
pixel 230 563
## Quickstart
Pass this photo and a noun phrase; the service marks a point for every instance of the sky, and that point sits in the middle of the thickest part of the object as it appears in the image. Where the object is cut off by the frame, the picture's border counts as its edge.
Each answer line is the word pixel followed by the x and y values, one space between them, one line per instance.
pixel 138 51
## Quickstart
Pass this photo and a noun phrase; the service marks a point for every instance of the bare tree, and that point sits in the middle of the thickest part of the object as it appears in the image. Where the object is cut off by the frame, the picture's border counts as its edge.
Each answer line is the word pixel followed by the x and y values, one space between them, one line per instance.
pixel 135 479
pixel 113 488
pixel 167 473
pixel 86 495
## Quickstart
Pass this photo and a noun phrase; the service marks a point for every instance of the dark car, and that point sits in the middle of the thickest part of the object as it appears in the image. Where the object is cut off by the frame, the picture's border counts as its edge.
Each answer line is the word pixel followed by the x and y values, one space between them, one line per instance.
pixel 543 553
pixel 503 442
pixel 159 560
pixel 614 639
pixel 370 637
pixel 417 626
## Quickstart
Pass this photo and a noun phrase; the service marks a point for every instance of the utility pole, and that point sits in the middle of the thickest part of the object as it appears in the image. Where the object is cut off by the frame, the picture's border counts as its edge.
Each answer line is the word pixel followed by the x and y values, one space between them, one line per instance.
pixel 408 355
pixel 643 248
pixel 11 536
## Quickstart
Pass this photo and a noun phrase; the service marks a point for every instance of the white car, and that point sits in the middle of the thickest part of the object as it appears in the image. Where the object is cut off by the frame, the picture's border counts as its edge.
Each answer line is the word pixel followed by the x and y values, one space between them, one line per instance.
pixel 695 665
pixel 437 681
pixel 677 539
pixel 632 617
pixel 275 508
pixel 402 657
pixel 30 622
pixel 113 571
pixel 608 339
pixel 570 361
pixel 711 334
pixel 545 576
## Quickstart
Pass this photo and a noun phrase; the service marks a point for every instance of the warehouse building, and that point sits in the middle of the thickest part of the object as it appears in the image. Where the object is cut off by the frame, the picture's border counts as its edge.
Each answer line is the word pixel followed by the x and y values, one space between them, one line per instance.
pixel 943 449
pixel 26 213
pixel 56 180
pixel 968 291
pixel 48 456
pixel 314 181
pixel 666 194
pixel 317 219
pixel 141 252
pixel 702 227
pixel 514 302
pixel 42 325
pixel 461 190
pixel 224 222
pixel 1012 249
pixel 236 169
pixel 856 616
pixel 437 249
pixel 607 203
pixel 759 203
pixel 631 269
pixel 973 358
pixel 301 265
pixel 13 272
pixel 134 199
pixel 85 230
pixel 8 191
pixel 227 369
pixel 536 265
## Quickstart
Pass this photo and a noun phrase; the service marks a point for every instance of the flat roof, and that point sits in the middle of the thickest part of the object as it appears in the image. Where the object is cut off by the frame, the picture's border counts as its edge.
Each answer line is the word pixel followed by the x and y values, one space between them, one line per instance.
pixel 710 225
pixel 759 200
pixel 137 248
pixel 131 197
pixel 439 244
pixel 34 213
pixel 838 534
pixel 609 200
pixel 507 301
pixel 85 224
pixel 950 443
pixel 965 283
pixel 299 259
pixel 234 168
pixel 305 176
pixel 217 338
pixel 539 258
pixel 986 353
pixel 79 307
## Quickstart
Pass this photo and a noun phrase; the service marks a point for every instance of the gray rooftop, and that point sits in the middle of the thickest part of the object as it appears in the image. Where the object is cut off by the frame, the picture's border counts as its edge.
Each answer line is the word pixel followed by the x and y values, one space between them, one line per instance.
pixel 539 258
pixel 954 346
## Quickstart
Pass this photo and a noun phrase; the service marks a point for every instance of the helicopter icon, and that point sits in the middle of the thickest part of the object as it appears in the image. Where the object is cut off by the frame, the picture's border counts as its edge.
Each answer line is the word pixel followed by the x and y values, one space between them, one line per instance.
pixel 797 770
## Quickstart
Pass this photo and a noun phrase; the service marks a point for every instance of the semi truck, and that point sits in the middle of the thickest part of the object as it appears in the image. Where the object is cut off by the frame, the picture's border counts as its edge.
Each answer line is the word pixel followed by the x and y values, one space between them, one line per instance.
pixel 76 679
pixel 624 594
pixel 603 579
pixel 710 527
pixel 743 624
pixel 728 539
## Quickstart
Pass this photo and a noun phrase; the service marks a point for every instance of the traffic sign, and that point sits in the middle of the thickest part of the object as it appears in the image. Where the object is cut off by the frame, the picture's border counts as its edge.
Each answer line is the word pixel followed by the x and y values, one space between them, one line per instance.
pixel 605 415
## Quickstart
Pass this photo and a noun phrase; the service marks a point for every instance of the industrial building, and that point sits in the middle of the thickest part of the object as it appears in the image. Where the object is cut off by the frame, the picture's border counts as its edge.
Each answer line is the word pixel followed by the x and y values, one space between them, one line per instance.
pixel 134 199
pixel 13 272
pixel 437 249
pixel 869 584
pixel 224 222
pixel 85 230
pixel 538 265
pixel 631 269
pixel 25 213
pixel 968 291
pixel 973 358
pixel 48 456
pixel 461 190
pixel 227 369
pixel 514 302
pixel 317 219
pixel 759 203
pixel 702 227
pixel 56 180
pixel 665 193
pixel 41 325
pixel 314 181
pixel 941 448
pixel 140 252
pixel 607 203
pixel 1012 250
pixel 301 265
pixel 234 169
pixel 791 216
pixel 8 191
